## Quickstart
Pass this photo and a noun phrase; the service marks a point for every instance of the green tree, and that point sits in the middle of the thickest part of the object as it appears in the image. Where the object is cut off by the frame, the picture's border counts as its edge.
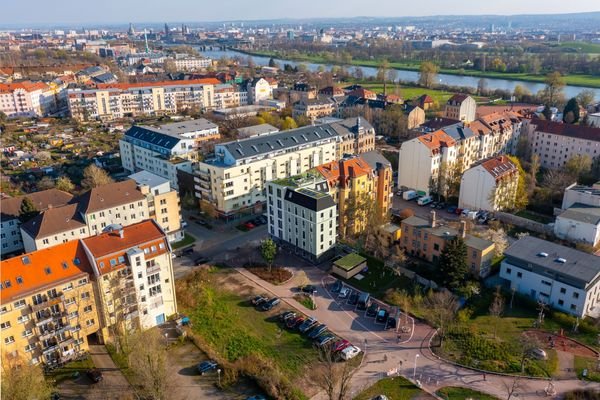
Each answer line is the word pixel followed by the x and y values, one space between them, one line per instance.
pixel 268 251
pixel 288 123
pixel 272 63
pixel 64 183
pixel 521 199
pixel 45 183
pixel 520 92
pixel 94 176
pixel 571 111
pixel 22 381
pixel 427 74
pixel 28 210
pixel 578 165
pixel 453 263
pixel 382 71
pixel 553 92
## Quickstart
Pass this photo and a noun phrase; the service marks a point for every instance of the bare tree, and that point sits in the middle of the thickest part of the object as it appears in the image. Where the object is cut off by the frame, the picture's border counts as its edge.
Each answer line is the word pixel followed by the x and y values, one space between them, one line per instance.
pixel 442 310
pixel 148 363
pixel 332 377
pixel 94 176
pixel 21 380
pixel 525 346
pixel 512 387
pixel 497 308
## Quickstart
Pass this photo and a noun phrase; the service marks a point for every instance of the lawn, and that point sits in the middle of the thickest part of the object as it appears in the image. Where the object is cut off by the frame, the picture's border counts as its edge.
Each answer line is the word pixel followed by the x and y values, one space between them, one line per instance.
pixel 69 370
pixel 306 300
pixel 397 388
pixel 460 393
pixel 543 219
pixel 186 241
pixel 581 363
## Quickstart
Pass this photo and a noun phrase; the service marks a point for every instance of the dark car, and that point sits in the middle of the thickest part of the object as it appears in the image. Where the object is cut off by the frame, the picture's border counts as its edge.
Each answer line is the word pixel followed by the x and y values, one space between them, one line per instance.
pixel 201 222
pixel 94 374
pixel 391 323
pixel 451 209
pixel 206 366
pixel 200 260
pixel 382 315
pixel 284 316
pixel 263 220
pixel 306 325
pixel 324 339
pixel 372 310
pixel 258 300
pixel 441 206
pixel 269 304
pixel 188 250
pixel 294 322
pixel 337 286
pixel 353 299
pixel 316 331
pixel 458 211
pixel 309 289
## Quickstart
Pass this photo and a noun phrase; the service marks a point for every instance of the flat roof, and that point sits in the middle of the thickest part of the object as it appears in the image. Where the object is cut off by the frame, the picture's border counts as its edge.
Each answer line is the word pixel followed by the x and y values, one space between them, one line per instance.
pixel 350 261
pixel 148 178
pixel 181 127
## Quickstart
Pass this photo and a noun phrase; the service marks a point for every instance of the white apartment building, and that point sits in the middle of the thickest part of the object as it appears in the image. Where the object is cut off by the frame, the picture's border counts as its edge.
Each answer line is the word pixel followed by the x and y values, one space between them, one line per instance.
pixel 555 142
pixel 235 177
pixel 26 99
pixel 461 107
pixel 303 216
pixel 118 100
pixel 134 264
pixel 491 185
pixel 564 278
pixel 192 63
pixel 259 89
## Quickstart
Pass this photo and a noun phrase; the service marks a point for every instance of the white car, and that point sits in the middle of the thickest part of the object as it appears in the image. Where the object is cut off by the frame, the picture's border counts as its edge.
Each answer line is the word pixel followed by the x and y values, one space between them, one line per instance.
pixel 349 352
pixel 345 292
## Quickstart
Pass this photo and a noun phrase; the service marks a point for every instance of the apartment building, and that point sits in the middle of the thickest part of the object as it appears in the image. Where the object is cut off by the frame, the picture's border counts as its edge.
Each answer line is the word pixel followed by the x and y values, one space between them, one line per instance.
pixel 26 99
pixel 303 216
pixel 10 209
pixel 313 108
pixel 119 203
pixel 259 89
pixel 134 274
pixel 356 136
pixel 555 142
pixel 427 239
pixel 491 185
pixel 191 63
pixel 118 100
pixel 460 107
pixel 48 305
pixel 229 96
pixel 562 277
pixel 163 203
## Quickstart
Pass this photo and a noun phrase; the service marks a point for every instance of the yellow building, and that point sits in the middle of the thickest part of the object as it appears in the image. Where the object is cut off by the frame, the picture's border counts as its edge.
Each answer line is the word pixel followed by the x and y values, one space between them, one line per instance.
pixel 48 309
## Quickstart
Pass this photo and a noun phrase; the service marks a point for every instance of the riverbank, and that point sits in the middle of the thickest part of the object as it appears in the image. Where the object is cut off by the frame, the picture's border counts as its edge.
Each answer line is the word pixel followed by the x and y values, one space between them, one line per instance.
pixel 573 80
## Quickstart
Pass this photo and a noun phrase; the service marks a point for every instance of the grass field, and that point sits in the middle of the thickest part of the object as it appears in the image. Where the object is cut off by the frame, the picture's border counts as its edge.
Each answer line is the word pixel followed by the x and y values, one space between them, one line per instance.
pixel 582 363
pixel 440 96
pixel 394 388
pixel 69 370
pixel 186 241
pixel 544 219
pixel 460 393
pixel 581 47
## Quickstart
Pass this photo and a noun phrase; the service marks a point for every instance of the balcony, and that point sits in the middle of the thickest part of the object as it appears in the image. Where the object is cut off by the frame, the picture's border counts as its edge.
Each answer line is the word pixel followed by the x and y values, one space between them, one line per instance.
pixel 45 334
pixel 152 269
pixel 47 302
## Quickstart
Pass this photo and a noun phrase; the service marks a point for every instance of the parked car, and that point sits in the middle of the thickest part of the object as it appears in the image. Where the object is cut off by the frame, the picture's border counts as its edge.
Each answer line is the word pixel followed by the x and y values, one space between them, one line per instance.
pixel 451 209
pixel 206 366
pixel 353 299
pixel 201 222
pixel 316 331
pixel 284 316
pixel 337 286
pixel 184 224
pixel 188 250
pixel 434 204
pixel 249 225
pixel 372 310
pixel 94 374
pixel 382 315
pixel 324 339
pixel 344 293
pixel 258 300
pixel 310 289
pixel 340 345
pixel 200 260
pixel 306 325
pixel 262 219
pixel 257 222
pixel 349 352
pixel 465 212
pixel 391 323
pixel 441 206
pixel 458 211
pixel 538 353
pixel 294 322
pixel 269 304
pixel 424 200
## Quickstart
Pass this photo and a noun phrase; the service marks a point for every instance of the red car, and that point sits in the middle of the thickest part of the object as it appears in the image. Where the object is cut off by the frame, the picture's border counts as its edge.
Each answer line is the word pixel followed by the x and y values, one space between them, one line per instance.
pixel 340 345
pixel 458 211
pixel 249 225
pixel 294 322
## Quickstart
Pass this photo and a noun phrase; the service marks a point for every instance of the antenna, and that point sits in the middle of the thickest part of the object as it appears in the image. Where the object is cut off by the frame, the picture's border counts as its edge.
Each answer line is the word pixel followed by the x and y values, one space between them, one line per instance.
pixel 146 39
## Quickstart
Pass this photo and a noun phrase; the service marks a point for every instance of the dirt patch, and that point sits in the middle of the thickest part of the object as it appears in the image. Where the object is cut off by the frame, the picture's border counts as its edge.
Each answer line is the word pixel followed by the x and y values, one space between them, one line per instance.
pixel 561 343
pixel 275 276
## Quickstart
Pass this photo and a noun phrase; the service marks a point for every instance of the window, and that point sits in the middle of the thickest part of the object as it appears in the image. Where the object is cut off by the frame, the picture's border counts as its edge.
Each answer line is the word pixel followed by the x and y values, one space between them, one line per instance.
pixel 19 280
pixel 436 247
pixel 7 284
pixel 575 295
pixel 87 309
pixel 9 340
pixel 508 271
pixel 519 274
pixel 85 295
pixel 20 303
pixel 5 325
pixel 29 347
pixel 90 322
pixel 121 259
pixel 155 290
pixel 27 333
pixel 3 309
pixel 573 307
pixel 161 246
pixel 68 287
pixel 563 290
pixel 82 281
pixel 47 270
pixel 561 303
pixel 153 248
pixel 113 262
pixel 21 319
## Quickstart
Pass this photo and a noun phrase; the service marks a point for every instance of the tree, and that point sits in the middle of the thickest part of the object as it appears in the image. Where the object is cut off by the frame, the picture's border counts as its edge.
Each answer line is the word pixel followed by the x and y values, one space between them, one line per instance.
pixel 552 93
pixel 520 200
pixel 556 180
pixel 332 377
pixel 571 111
pixel 288 123
pixel 43 156
pixel 482 86
pixel 500 239
pixel 512 387
pixel 45 183
pixel 578 165
pixel 22 381
pixel 64 183
pixel 586 97
pixel 453 263
pixel 520 92
pixel 442 308
pixel 28 210
pixel 272 63
pixel 268 251
pixel 94 176
pixel 382 72
pixel 170 67
pixel 427 74
pixel 524 346
pixel 497 308
pixel 148 364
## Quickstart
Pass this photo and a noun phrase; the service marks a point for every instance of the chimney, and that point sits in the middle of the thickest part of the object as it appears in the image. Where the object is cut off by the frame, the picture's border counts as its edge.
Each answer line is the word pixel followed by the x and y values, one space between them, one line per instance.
pixel 121 233
pixel 463 229
pixel 432 219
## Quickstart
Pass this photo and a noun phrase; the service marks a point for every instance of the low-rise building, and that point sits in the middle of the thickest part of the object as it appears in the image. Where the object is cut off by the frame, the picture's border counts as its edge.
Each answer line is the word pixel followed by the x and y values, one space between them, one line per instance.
pixel 48 305
pixel 256 130
pixel 427 239
pixel 313 108
pixel 561 277
pixel 461 107
pixel 303 216
pixel 491 185
pixel 579 223
pixel 589 195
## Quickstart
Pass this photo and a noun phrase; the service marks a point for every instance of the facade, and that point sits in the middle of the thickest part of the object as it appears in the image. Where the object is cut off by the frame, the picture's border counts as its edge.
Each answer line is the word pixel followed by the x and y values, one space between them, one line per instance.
pixel 491 185
pixel 12 241
pixel 415 116
pixel 135 282
pixel 118 100
pixel 259 89
pixel 303 216
pixel 356 136
pixel 313 108
pixel 461 107
pixel 427 239
pixel 49 309
pixel 589 195
pixel 228 96
pixel 191 63
pixel 579 223
pixel 555 143
pixel 563 278
pixel 163 203
pixel 26 99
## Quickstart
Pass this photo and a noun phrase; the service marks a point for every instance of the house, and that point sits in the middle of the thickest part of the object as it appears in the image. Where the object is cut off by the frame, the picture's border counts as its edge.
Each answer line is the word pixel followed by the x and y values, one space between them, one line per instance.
pixel 259 89
pixel 415 116
pixel 490 185
pixel 356 136
pixel 427 239
pixel 26 99
pixel 461 107
pixel 362 93
pixel 302 217
pixel 313 108
pixel 561 277
pixel 424 101
pixel 579 223
pixel 48 305
pixel 332 91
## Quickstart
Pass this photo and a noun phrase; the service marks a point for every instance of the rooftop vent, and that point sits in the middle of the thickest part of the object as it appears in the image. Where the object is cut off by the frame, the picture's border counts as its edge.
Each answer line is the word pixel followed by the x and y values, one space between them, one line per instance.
pixel 560 260
pixel 542 254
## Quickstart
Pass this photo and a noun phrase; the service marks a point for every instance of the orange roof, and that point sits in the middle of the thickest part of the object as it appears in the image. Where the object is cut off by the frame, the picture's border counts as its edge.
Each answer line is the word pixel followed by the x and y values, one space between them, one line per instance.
pixel 25 85
pixel 41 269
pixel 339 172
pixel 479 128
pixel 436 140
pixel 499 166
pixel 204 81
pixel 111 245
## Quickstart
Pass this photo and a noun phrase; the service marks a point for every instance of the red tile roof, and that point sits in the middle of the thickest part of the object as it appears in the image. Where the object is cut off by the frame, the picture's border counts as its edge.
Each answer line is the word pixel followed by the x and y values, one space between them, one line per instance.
pixel 436 140
pixel 575 131
pixel 499 166
pixel 205 81
pixel 41 269
pixel 28 86
pixel 339 172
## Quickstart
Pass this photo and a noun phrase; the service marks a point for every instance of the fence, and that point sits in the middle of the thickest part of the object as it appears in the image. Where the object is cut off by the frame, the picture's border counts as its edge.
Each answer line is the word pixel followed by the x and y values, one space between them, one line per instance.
pixel 417 278
pixel 524 223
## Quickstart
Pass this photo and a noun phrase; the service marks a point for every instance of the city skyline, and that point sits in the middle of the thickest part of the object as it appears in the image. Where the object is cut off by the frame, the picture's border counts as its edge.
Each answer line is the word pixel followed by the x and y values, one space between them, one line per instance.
pixel 64 12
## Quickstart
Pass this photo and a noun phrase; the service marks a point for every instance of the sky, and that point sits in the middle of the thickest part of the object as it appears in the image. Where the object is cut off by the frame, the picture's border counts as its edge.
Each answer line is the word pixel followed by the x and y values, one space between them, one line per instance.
pixel 97 12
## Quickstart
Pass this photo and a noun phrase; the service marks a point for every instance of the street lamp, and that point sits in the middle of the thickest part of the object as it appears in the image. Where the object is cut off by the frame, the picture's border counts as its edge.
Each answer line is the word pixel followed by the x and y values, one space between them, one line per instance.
pixel 219 375
pixel 415 368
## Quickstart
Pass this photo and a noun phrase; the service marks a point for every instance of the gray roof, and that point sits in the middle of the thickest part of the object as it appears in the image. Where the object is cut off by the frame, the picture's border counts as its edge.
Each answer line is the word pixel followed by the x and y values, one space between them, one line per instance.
pixel 374 157
pixel 181 127
pixel 447 232
pixel 148 178
pixel 310 199
pixel 255 130
pixel 582 213
pixel 458 131
pixel 153 136
pixel 579 269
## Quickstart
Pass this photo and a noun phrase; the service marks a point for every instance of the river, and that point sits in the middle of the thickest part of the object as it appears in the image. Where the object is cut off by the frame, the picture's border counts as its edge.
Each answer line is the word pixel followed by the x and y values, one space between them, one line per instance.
pixel 413 76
